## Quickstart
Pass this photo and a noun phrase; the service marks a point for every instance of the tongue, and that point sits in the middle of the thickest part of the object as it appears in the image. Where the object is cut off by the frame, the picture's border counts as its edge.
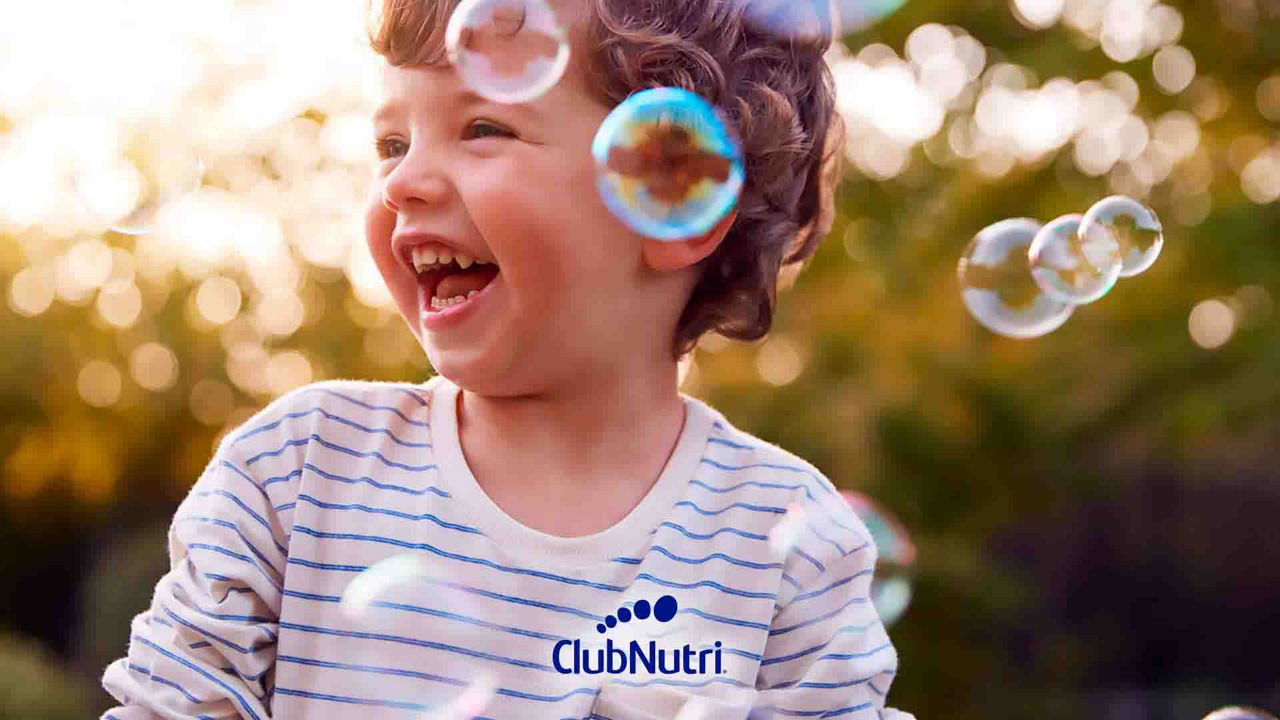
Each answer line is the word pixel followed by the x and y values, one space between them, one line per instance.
pixel 464 281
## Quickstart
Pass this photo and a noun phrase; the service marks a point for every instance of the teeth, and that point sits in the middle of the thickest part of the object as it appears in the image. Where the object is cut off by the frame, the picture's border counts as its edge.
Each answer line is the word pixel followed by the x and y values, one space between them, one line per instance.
pixel 439 304
pixel 428 258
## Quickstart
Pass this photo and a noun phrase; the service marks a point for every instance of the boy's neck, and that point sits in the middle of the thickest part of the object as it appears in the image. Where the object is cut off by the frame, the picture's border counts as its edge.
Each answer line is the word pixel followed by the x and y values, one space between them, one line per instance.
pixel 592 441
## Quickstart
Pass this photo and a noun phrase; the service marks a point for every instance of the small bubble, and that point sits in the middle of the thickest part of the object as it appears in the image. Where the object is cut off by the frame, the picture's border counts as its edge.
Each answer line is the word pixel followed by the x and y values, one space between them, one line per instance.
pixel 667 165
pixel 1069 269
pixel 610 620
pixel 624 615
pixel 1129 223
pixel 997 286
pixel 509 51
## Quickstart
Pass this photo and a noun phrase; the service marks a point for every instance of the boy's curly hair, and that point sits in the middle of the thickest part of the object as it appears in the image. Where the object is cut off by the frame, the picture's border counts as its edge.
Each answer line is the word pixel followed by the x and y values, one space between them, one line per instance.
pixel 776 91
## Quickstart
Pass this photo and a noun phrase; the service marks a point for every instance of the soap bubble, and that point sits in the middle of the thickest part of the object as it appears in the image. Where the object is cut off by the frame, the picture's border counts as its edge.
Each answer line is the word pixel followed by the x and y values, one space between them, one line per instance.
pixel 1070 269
pixel 1129 223
pixel 667 165
pixel 997 286
pixel 1239 712
pixel 373 583
pixel 172 172
pixel 400 586
pixel 815 18
pixel 509 51
pixel 891 585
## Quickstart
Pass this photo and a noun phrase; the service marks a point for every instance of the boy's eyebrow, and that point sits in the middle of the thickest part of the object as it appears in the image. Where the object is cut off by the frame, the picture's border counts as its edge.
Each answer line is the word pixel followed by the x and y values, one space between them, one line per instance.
pixel 466 97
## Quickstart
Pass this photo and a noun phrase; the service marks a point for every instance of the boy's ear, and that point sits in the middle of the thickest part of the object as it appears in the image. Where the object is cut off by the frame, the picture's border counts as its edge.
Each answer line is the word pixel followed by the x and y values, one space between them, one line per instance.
pixel 666 256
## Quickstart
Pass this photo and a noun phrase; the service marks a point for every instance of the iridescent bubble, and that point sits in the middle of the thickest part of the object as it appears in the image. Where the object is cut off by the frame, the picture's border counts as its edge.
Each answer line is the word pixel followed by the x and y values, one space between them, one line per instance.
pixel 373 583
pixel 1129 223
pixel 1070 269
pixel 895 568
pixel 403 587
pixel 667 165
pixel 997 286
pixel 509 51
pixel 807 19
pixel 1239 712
pixel 856 15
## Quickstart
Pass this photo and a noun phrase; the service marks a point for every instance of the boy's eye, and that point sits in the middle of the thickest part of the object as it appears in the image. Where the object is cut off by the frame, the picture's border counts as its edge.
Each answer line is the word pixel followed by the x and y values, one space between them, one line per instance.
pixel 383 147
pixel 483 128
pixel 475 131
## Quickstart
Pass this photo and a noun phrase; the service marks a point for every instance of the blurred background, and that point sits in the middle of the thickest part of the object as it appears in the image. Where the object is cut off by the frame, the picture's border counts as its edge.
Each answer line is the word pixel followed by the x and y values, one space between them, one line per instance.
pixel 181 191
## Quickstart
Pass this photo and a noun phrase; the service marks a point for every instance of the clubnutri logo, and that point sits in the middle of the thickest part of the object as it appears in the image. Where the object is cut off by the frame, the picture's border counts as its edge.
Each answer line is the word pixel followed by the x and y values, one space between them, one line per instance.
pixel 617 661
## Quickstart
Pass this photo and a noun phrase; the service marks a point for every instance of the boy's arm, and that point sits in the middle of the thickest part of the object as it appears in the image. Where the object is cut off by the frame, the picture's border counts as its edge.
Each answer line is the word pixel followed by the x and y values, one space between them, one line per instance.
pixel 828 654
pixel 207 645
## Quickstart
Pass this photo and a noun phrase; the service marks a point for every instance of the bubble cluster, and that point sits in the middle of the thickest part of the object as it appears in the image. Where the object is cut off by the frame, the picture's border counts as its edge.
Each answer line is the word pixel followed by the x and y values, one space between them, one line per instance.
pixel 509 51
pixel 892 582
pixel 1023 280
pixel 667 165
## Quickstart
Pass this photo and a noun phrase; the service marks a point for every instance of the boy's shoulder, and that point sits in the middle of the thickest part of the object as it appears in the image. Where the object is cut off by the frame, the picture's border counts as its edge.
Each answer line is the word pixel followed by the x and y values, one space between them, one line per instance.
pixel 354 403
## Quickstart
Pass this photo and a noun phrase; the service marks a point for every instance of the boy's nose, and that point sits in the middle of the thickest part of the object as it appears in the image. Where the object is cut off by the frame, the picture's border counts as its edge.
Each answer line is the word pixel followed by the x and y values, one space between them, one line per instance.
pixel 400 191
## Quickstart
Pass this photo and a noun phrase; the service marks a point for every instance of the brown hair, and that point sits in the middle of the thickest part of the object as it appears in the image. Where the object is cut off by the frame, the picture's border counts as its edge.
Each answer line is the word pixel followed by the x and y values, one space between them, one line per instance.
pixel 776 92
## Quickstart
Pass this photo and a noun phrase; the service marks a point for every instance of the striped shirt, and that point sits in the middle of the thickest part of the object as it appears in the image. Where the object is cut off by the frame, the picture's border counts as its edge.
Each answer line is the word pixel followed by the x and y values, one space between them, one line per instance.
pixel 683 602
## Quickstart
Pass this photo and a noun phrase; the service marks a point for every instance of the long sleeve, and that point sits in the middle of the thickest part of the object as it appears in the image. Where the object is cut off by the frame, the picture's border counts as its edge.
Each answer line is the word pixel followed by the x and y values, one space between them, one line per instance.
pixel 828 654
pixel 206 647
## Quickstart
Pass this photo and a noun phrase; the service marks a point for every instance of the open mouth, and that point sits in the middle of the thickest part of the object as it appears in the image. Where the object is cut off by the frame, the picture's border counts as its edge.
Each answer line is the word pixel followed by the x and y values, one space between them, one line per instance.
pixel 450 281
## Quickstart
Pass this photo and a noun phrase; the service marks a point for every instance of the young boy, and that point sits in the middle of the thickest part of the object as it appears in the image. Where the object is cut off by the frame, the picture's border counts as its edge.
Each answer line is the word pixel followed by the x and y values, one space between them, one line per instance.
pixel 588 541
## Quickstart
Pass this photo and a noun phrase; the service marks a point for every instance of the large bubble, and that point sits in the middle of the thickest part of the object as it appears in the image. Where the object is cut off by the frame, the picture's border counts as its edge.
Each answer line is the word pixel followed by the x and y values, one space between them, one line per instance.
pixel 814 18
pixel 997 286
pixel 1128 223
pixel 667 165
pixel 891 585
pixel 380 596
pixel 1071 268
pixel 1239 712
pixel 509 51
pixel 172 172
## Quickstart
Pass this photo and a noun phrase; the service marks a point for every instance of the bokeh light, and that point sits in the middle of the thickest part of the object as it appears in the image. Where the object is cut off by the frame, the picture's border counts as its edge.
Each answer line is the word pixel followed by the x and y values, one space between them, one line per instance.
pixel 154 366
pixel 1212 323
pixel 99 383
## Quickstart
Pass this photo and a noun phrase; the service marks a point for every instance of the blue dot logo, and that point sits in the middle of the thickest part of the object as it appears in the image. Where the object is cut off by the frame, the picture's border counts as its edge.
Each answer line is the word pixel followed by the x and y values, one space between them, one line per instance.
pixel 663 610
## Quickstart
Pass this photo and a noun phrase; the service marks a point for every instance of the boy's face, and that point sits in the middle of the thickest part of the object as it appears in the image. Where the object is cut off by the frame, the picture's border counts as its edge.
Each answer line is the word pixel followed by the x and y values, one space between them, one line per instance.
pixel 515 185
